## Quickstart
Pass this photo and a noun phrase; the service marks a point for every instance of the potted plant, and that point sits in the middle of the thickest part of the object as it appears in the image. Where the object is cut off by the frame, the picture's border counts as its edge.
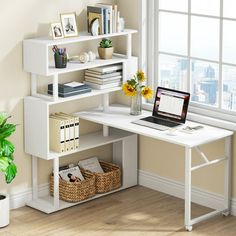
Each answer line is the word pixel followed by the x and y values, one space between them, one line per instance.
pixel 7 165
pixel 105 50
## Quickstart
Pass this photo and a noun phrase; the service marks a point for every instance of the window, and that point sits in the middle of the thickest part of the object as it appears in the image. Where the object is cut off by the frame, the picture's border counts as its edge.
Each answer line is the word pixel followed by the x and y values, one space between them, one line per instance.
pixel 193 48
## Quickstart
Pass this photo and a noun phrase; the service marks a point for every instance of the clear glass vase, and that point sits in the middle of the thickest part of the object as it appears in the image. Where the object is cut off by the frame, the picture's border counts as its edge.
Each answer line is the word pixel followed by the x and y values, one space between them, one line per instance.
pixel 136 104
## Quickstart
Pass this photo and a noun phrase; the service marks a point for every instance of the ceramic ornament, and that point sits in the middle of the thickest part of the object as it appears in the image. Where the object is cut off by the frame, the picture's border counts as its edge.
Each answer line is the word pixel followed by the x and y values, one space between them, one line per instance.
pixel 92 56
pixel 83 57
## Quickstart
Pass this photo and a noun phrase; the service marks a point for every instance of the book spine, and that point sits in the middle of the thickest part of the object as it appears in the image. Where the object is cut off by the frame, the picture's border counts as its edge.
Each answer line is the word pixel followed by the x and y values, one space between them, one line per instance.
pixel 76 132
pixel 56 135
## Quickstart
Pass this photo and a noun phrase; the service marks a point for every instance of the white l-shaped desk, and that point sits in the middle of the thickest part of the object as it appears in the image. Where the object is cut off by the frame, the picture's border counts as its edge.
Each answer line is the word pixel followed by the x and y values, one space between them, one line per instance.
pixel 118 117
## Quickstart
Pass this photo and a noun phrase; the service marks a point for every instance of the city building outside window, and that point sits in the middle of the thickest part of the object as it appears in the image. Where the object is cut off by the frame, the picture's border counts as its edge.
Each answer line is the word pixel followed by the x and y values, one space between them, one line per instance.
pixel 192 47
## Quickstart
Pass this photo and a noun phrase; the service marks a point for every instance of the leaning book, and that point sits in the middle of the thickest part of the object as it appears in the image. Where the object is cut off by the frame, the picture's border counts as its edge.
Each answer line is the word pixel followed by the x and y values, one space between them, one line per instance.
pixel 72 174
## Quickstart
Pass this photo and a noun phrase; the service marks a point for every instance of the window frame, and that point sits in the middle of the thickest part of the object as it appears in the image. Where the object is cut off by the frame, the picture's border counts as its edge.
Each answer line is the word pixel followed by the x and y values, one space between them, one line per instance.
pixel 151 16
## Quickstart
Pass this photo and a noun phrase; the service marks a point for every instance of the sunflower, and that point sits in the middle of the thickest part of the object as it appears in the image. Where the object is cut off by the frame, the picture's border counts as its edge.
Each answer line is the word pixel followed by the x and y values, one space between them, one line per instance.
pixel 147 92
pixel 140 75
pixel 129 90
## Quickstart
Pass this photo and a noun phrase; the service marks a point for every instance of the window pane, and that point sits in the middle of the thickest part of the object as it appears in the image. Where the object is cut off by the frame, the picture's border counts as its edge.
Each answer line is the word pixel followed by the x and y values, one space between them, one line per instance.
pixel 229 41
pixel 173 72
pixel 205 38
pixel 229 88
pixel 206 7
pixel 173 39
pixel 229 8
pixel 204 82
pixel 176 5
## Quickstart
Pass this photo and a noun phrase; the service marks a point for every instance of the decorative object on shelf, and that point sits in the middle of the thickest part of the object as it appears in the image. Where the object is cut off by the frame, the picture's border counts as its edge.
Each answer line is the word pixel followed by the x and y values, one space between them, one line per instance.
pixel 105 50
pixel 94 27
pixel 60 57
pixel 83 57
pixel 92 56
pixel 136 91
pixel 69 26
pixel 7 165
pixel 57 32
pixel 121 25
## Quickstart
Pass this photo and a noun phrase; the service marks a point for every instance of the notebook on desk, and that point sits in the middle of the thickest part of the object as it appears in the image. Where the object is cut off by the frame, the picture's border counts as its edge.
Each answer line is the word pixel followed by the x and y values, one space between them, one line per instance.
pixel 169 110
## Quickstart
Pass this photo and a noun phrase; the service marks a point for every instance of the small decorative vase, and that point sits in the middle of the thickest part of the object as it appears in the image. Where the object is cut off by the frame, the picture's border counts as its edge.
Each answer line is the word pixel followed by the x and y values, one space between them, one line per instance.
pixel 105 53
pixel 136 105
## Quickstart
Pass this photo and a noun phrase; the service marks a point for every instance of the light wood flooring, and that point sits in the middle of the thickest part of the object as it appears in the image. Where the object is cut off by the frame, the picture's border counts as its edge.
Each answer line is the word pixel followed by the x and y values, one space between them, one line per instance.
pixel 137 211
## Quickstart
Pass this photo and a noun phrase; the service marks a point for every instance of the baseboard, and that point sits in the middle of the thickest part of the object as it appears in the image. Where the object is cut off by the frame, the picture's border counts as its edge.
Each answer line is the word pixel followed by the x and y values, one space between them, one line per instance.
pixel 176 189
pixel 148 180
pixel 19 199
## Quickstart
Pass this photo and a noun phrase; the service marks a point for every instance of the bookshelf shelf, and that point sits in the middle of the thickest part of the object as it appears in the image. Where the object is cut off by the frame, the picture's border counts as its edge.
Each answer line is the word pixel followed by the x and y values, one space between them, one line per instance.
pixel 37 54
pixel 76 66
pixel 92 140
pixel 83 36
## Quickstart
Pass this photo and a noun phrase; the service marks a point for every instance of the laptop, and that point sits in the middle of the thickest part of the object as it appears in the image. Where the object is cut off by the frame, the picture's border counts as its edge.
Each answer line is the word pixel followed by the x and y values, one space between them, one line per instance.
pixel 169 110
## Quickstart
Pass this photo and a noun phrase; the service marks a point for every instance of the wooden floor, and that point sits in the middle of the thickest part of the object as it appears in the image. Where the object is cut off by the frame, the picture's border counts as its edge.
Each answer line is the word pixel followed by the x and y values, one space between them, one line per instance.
pixel 136 211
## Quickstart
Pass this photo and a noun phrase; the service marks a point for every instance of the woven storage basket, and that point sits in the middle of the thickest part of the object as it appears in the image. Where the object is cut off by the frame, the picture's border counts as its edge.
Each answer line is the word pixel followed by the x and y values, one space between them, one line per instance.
pixel 75 191
pixel 109 180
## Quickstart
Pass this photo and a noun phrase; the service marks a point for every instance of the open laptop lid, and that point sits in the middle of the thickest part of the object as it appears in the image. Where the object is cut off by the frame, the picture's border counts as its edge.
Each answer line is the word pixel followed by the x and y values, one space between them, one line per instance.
pixel 171 104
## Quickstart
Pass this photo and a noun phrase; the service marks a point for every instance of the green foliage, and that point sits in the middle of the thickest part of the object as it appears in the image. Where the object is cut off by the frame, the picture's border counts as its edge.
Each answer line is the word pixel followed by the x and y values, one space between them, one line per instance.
pixel 7 148
pixel 106 43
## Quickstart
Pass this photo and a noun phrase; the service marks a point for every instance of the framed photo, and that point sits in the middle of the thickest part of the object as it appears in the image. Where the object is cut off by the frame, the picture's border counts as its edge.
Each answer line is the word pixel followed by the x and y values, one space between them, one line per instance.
pixel 68 21
pixel 57 32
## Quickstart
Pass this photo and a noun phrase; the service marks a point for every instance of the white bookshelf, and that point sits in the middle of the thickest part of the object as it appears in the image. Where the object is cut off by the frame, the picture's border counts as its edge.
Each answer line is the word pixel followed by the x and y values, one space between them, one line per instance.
pixel 37 54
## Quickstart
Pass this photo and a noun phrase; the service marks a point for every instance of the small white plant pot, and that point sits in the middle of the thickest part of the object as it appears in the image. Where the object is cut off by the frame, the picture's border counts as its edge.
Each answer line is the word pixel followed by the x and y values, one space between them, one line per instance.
pixel 4 210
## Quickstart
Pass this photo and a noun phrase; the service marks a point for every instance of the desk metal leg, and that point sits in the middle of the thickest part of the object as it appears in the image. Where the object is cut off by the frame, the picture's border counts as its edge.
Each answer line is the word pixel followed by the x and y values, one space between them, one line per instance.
pixel 227 187
pixel 188 180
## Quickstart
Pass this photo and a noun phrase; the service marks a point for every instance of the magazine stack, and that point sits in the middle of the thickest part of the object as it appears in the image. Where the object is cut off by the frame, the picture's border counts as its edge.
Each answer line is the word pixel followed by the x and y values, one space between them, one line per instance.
pixel 104 77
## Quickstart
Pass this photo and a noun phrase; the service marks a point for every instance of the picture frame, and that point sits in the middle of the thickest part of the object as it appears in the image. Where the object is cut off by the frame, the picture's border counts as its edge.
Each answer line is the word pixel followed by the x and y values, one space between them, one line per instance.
pixel 69 26
pixel 57 31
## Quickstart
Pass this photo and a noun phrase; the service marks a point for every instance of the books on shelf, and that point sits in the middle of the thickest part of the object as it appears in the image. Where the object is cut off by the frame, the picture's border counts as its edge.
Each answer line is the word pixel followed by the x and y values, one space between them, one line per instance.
pixel 106 69
pixel 92 164
pixel 72 174
pixel 107 15
pixel 103 77
pixel 103 81
pixel 63 132
pixel 70 89
pixel 103 86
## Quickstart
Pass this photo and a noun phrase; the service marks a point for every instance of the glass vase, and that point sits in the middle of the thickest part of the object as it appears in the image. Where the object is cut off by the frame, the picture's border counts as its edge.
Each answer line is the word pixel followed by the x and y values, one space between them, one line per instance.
pixel 136 104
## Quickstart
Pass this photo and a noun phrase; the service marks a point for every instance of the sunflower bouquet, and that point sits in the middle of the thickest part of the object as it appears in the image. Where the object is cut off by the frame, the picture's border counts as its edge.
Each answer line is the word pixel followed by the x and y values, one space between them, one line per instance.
pixel 136 91
pixel 134 86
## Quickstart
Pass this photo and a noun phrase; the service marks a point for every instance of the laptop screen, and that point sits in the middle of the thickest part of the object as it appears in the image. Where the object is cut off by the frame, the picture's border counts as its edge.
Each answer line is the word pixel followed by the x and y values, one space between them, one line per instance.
pixel 171 104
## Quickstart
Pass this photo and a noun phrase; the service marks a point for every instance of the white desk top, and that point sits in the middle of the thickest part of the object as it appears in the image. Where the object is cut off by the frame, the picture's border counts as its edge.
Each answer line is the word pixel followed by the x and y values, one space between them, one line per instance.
pixel 118 117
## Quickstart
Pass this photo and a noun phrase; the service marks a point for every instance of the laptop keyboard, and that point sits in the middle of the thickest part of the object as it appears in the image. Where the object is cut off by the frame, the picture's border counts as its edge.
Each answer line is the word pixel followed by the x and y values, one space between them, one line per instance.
pixel 160 121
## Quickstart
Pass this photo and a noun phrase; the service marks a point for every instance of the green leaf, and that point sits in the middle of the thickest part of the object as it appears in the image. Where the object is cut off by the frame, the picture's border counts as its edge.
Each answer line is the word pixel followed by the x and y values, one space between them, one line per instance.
pixel 3 118
pixel 6 148
pixel 7 130
pixel 4 163
pixel 10 173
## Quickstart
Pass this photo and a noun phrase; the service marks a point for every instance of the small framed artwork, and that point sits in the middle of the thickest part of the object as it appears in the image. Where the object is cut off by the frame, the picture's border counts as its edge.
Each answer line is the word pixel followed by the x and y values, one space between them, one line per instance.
pixel 69 26
pixel 57 32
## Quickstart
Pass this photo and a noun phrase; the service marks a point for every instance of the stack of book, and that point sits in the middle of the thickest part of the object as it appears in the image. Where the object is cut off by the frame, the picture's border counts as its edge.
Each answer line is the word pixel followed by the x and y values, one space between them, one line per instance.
pixel 103 77
pixel 70 89
pixel 108 17
pixel 63 132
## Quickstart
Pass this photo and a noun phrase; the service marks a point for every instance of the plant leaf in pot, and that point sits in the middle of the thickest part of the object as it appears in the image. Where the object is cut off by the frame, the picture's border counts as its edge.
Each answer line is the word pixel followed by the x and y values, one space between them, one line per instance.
pixel 105 49
pixel 7 165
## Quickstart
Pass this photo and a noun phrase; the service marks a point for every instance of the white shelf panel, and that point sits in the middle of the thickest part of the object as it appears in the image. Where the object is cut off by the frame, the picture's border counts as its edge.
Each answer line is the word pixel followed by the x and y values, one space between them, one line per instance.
pixel 83 36
pixel 95 92
pixel 76 66
pixel 93 140
pixel 45 204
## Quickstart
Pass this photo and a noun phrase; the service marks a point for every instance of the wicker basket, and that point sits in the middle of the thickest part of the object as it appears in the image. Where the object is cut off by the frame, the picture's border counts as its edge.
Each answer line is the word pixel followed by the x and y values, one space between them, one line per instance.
pixel 76 191
pixel 109 180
